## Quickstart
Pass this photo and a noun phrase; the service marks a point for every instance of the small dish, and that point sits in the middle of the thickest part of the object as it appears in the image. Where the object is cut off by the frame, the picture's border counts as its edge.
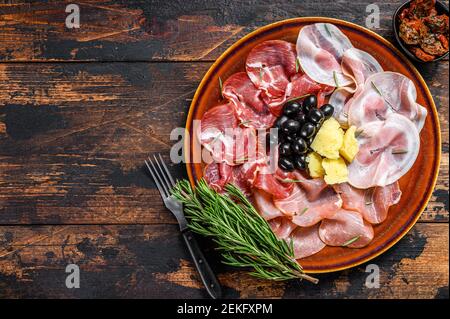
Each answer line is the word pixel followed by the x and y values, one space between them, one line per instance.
pixel 440 8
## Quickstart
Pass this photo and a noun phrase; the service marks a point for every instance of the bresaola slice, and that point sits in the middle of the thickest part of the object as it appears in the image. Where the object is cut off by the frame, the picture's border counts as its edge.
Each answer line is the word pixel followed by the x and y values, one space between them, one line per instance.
pixel 251 110
pixel 387 150
pixel 383 94
pixel 373 203
pixel 320 48
pixel 346 228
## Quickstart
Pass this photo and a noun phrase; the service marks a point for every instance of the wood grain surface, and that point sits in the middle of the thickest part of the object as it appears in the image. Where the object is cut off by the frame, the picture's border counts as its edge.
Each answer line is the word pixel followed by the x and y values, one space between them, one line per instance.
pixel 80 109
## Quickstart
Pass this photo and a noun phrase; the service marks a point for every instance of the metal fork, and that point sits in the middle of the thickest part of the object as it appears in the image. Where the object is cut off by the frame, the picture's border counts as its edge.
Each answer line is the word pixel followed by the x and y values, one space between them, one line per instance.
pixel 164 182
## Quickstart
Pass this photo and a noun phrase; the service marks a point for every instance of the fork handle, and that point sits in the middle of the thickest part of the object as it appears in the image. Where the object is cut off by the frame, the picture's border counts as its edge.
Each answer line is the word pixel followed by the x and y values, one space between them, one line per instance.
pixel 208 277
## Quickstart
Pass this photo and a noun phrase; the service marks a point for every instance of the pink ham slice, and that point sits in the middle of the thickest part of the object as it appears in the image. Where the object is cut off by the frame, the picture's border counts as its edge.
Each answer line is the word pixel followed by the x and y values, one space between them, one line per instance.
pixel 320 49
pixel 383 94
pixel 264 205
pixel 217 175
pixel 346 226
pixel 373 203
pixel 309 205
pixel 282 227
pixel 306 241
pixel 220 134
pixel 359 65
pixel 270 66
pixel 387 150
pixel 248 104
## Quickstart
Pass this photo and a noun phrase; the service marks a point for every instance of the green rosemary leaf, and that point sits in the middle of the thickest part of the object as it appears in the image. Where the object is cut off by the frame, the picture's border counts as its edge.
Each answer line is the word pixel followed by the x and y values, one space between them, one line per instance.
pixel 351 241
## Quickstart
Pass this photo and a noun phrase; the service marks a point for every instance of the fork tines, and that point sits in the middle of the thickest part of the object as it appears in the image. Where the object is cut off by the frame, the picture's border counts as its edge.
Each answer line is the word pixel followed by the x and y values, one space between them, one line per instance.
pixel 160 175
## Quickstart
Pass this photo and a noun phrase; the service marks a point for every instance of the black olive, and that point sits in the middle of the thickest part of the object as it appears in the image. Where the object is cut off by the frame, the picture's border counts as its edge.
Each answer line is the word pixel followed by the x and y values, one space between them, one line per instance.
pixel 285 149
pixel 286 164
pixel 299 146
pixel 292 109
pixel 315 116
pixel 271 140
pixel 280 121
pixel 327 110
pixel 290 127
pixel 291 138
pixel 300 162
pixel 310 140
pixel 310 102
pixel 307 130
pixel 301 118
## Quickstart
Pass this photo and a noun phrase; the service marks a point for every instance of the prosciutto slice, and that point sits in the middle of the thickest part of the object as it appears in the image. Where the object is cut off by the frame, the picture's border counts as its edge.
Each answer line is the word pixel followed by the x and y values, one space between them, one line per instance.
pixel 346 228
pixel 383 94
pixel 373 203
pixel 220 134
pixel 387 150
pixel 306 241
pixel 264 205
pixel 359 65
pixel 309 207
pixel 270 66
pixel 282 227
pixel 250 109
pixel 320 49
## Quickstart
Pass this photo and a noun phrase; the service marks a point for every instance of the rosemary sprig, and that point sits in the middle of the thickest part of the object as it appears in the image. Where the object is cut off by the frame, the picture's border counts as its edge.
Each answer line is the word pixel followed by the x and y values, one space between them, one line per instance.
pixel 297 98
pixel 221 87
pixel 241 234
pixel 399 151
pixel 328 30
pixel 297 65
pixel 351 241
pixel 335 79
pixel 303 211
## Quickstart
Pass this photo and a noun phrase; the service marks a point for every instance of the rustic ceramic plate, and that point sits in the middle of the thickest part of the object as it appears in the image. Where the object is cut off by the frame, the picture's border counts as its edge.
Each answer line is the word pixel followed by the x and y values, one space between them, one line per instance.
pixel 417 185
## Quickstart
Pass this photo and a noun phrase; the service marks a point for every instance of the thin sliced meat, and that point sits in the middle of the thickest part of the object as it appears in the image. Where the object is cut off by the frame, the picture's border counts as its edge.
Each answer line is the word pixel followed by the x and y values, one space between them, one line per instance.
pixel 250 109
pixel 220 134
pixel 268 181
pixel 373 203
pixel 320 48
pixel 346 228
pixel 217 175
pixel 282 227
pixel 383 94
pixel 387 150
pixel 270 66
pixel 306 241
pixel 359 65
pixel 309 212
pixel 264 205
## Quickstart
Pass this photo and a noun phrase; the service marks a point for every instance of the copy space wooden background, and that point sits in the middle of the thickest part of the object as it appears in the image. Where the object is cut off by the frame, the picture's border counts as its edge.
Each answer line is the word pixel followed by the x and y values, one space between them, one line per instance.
pixel 81 109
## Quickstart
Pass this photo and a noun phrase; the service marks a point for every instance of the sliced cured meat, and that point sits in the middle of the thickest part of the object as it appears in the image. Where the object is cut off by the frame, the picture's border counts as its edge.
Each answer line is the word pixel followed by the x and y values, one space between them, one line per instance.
pixel 282 227
pixel 268 181
pixel 320 48
pixel 346 228
pixel 309 212
pixel 264 205
pixel 306 241
pixel 300 85
pixel 217 175
pixel 220 134
pixel 387 150
pixel 373 203
pixel 270 66
pixel 359 65
pixel 383 94
pixel 250 109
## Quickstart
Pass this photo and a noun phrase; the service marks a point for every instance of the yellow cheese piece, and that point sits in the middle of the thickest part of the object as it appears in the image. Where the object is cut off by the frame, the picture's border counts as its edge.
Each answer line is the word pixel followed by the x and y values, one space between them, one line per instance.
pixel 335 170
pixel 315 168
pixel 350 146
pixel 329 139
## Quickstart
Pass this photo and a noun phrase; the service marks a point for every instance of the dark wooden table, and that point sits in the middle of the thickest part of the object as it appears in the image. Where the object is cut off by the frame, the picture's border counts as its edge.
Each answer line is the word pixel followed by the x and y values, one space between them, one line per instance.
pixel 80 109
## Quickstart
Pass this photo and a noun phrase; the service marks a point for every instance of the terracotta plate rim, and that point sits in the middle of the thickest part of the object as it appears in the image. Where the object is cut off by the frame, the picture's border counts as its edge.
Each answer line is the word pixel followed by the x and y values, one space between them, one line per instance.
pixel 302 20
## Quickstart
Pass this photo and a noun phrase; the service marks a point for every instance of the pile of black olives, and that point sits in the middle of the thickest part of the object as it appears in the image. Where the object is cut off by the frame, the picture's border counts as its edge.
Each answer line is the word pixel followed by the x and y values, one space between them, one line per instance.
pixel 297 127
